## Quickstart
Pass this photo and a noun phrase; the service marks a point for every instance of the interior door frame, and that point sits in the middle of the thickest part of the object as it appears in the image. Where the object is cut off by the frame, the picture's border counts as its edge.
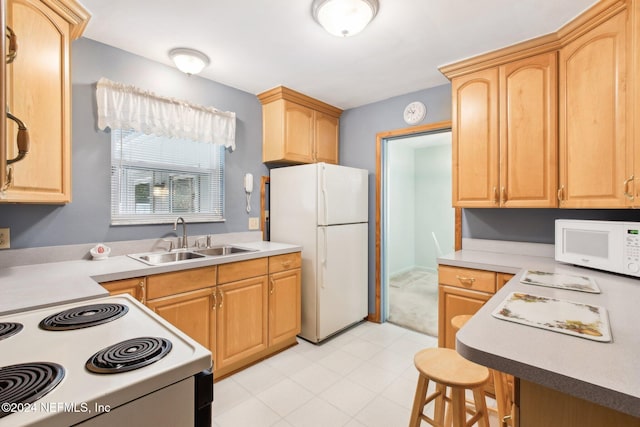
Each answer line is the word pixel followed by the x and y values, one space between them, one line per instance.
pixel 431 127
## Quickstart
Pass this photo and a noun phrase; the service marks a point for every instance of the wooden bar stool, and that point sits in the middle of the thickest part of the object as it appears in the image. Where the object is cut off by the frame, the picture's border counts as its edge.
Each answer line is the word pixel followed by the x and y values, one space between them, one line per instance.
pixel 504 390
pixel 447 369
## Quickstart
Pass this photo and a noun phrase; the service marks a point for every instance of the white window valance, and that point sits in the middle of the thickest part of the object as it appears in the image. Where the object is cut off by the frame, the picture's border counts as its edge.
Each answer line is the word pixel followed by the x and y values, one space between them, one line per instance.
pixel 127 107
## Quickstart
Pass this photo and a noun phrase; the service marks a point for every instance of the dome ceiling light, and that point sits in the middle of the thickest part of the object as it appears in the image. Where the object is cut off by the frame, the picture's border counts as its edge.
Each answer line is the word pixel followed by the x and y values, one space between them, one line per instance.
pixel 189 61
pixel 344 18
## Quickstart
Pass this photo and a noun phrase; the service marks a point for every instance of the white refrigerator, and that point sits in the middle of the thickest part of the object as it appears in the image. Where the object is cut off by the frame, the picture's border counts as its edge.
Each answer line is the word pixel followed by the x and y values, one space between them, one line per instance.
pixel 324 208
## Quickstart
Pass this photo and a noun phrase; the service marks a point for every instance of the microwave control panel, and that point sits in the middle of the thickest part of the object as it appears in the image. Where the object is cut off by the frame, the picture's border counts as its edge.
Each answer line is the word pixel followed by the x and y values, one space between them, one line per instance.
pixel 632 251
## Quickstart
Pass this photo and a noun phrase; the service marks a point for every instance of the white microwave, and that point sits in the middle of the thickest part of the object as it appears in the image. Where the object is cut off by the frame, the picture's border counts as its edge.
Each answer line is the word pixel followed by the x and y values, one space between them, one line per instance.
pixel 605 245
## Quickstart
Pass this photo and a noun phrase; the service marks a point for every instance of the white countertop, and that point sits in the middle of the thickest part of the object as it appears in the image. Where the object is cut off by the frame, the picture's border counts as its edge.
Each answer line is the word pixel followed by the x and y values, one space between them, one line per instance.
pixel 41 285
pixel 604 373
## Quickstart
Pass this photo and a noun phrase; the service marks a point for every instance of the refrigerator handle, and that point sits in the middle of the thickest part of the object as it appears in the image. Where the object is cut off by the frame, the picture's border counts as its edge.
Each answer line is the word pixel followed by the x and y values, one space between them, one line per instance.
pixel 324 196
pixel 323 267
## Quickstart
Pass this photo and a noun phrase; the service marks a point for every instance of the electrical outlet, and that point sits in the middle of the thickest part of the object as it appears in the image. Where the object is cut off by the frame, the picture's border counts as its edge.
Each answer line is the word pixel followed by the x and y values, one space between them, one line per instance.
pixel 254 223
pixel 5 238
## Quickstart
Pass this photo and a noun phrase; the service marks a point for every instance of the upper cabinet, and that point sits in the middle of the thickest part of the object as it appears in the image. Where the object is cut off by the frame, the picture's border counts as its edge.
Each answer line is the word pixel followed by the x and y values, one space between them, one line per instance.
pixel 595 152
pixel 505 135
pixel 38 94
pixel 298 129
pixel 550 122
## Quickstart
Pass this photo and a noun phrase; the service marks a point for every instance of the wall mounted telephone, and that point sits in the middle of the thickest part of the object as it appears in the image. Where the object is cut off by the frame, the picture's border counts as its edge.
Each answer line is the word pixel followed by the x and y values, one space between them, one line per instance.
pixel 248 189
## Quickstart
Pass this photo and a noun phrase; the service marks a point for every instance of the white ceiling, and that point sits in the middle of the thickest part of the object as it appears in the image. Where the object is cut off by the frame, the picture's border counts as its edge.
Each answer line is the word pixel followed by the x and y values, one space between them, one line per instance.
pixel 255 45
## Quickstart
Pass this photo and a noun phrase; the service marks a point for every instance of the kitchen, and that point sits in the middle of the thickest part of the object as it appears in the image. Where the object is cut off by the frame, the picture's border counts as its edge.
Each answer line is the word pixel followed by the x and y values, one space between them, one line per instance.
pixel 86 220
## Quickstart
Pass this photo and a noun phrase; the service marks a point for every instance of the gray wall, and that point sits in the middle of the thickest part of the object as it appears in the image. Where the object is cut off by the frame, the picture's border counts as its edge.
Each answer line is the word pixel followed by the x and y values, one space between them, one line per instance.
pixel 86 219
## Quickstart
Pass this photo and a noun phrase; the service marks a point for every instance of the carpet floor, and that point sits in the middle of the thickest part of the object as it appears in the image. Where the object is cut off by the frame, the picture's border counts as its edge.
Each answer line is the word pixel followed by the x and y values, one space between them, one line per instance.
pixel 413 301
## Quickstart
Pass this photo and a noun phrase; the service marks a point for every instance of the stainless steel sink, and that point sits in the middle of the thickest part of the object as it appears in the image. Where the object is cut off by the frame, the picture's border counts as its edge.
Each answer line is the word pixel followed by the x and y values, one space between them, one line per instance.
pixel 223 250
pixel 160 258
pixel 156 258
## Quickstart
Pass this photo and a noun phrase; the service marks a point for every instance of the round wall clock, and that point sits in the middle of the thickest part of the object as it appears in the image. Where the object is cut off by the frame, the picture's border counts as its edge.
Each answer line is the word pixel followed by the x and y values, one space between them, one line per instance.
pixel 415 112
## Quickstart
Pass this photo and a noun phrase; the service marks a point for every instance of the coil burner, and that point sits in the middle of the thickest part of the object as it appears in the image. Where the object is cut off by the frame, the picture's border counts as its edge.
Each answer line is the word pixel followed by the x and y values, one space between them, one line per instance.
pixel 28 382
pixel 8 329
pixel 83 317
pixel 128 355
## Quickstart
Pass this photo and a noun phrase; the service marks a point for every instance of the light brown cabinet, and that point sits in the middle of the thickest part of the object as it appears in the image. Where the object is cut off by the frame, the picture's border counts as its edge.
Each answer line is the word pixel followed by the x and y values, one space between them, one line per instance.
pixel 505 135
pixel 284 298
pixel 136 287
pixel 595 147
pixel 298 129
pixel 38 92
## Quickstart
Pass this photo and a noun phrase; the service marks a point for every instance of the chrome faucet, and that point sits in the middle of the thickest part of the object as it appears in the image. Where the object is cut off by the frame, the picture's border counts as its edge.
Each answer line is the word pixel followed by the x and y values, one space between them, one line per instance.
pixel 185 243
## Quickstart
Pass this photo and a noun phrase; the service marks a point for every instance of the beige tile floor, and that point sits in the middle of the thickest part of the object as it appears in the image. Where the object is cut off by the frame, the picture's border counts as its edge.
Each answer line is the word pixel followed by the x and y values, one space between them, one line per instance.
pixel 363 377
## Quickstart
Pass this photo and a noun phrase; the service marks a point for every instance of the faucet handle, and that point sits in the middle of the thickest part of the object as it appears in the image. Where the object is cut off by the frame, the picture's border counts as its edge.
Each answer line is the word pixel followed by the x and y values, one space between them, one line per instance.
pixel 208 240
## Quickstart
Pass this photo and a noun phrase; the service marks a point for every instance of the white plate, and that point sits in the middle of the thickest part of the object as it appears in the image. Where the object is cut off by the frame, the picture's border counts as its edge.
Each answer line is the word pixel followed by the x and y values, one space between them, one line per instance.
pixel 567 317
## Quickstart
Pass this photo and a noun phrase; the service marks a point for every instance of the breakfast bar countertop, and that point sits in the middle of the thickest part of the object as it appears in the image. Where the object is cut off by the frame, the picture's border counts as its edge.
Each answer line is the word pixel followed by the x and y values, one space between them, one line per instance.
pixel 605 373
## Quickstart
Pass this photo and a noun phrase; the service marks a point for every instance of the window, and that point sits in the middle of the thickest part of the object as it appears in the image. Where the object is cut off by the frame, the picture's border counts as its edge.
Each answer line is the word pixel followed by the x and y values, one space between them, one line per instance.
pixel 155 179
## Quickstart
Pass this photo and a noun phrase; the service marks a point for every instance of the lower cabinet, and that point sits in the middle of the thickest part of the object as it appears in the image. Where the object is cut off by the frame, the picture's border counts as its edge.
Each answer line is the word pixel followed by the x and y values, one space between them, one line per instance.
pixel 192 312
pixel 136 287
pixel 242 311
pixel 242 320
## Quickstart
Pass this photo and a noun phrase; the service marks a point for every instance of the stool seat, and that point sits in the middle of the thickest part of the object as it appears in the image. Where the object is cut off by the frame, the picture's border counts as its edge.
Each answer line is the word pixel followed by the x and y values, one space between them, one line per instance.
pixel 448 370
pixel 446 366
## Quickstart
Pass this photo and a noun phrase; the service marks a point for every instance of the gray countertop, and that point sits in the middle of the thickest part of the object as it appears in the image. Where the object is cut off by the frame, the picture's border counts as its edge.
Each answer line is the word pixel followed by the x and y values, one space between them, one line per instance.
pixel 40 285
pixel 603 373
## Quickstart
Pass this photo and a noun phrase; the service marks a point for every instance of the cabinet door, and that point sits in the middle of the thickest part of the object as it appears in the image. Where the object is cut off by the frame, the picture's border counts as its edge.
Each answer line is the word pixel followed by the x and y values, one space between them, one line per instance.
pixel 595 156
pixel 298 136
pixel 136 287
pixel 191 312
pixel 475 139
pixel 451 303
pixel 528 132
pixel 39 94
pixel 502 279
pixel 326 138
pixel 284 306
pixel 242 320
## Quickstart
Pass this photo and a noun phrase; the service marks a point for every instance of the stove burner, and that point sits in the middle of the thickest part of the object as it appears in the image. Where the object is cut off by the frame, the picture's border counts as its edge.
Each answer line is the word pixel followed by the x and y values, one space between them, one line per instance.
pixel 128 355
pixel 83 317
pixel 8 329
pixel 27 382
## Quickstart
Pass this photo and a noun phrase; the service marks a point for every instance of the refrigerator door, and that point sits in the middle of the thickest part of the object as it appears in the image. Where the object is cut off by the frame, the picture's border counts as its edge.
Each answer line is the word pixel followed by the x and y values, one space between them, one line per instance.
pixel 342 194
pixel 342 286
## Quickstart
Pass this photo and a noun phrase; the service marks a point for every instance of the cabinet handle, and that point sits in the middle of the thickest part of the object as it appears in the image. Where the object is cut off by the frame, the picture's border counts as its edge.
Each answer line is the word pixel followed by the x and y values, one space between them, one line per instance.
pixel 286 264
pixel 561 193
pixel 467 281
pixel 496 197
pixel 143 290
pixel 221 299
pixel 7 184
pixel 12 46
pixel 504 195
pixel 272 286
pixel 22 140
pixel 214 296
pixel 626 188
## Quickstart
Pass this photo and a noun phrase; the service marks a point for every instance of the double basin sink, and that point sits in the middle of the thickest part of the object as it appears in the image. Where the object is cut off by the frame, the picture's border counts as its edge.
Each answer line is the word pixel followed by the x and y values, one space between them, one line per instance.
pixel 162 258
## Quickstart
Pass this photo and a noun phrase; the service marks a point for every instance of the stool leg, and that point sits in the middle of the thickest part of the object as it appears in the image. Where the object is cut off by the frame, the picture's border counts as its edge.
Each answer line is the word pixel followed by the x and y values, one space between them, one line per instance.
pixel 481 406
pixel 438 409
pixel 418 401
pixel 458 405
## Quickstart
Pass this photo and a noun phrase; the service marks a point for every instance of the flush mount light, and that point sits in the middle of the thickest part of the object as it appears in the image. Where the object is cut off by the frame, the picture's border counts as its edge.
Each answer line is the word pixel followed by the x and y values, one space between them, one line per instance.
pixel 344 18
pixel 189 61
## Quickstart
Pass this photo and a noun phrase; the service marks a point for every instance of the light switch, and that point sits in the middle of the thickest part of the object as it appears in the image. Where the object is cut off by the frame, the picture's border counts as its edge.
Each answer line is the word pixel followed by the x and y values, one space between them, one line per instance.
pixel 254 223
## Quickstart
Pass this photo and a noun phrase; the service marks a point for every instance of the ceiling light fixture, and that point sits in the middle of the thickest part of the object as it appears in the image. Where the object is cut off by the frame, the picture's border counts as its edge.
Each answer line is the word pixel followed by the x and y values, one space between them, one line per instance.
pixel 344 18
pixel 189 61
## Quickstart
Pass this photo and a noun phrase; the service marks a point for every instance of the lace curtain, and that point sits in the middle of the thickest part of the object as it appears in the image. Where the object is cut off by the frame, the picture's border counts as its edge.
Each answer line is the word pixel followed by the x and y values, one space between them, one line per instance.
pixel 128 107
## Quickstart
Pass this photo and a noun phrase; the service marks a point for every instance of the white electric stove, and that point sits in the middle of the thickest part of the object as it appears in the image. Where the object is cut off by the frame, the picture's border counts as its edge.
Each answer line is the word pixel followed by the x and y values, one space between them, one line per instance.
pixel 133 369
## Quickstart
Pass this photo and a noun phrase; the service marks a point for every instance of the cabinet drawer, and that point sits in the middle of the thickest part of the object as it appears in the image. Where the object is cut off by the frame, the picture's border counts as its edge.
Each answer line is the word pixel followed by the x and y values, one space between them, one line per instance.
pixel 502 279
pixel 467 278
pixel 242 270
pixel 161 285
pixel 284 262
